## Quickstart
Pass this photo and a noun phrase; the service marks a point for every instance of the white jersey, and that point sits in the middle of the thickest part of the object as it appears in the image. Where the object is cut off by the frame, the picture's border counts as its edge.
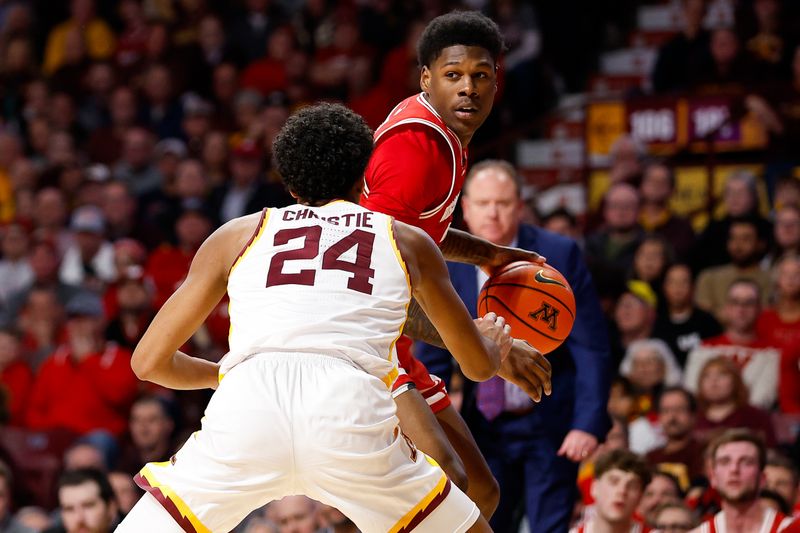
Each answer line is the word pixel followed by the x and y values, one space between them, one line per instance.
pixel 327 280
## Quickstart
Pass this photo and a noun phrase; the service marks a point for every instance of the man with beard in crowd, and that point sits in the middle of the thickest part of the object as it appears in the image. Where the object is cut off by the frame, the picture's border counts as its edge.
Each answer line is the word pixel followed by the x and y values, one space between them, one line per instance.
pixel 738 458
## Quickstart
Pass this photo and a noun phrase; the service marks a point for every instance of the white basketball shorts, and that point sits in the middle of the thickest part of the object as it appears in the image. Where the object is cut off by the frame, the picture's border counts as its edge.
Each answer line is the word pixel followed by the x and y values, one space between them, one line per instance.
pixel 284 424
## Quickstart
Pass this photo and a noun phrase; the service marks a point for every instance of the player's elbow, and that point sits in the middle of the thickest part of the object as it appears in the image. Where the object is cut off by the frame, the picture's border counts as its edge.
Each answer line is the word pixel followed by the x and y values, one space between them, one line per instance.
pixel 482 370
pixel 142 366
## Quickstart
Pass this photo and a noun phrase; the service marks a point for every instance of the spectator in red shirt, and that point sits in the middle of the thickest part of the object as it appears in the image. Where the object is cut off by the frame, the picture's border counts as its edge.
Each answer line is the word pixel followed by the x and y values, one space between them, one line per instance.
pixel 269 73
pixel 168 264
pixel 16 377
pixel 780 326
pixel 86 384
pixel 757 360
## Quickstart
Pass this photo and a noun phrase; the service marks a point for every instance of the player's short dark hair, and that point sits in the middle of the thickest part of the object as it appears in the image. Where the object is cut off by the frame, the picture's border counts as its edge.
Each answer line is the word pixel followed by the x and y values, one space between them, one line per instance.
pixel 467 28
pixel 624 460
pixel 739 435
pixel 72 478
pixel 322 151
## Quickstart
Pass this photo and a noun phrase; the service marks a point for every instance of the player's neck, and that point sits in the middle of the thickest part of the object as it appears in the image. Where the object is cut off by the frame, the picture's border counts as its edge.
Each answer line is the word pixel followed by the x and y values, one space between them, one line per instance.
pixel 743 516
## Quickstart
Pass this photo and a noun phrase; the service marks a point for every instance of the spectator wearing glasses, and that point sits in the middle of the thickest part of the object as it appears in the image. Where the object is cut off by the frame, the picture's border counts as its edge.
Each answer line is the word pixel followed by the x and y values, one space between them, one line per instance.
pixel 745 245
pixel 756 358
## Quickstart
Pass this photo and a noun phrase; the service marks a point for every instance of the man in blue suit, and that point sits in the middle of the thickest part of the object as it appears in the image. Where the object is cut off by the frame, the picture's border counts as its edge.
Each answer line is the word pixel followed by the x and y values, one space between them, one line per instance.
pixel 532 449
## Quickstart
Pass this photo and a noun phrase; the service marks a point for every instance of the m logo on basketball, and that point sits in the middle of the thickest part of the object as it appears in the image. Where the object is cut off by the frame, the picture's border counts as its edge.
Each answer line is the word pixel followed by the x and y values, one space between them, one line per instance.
pixel 546 313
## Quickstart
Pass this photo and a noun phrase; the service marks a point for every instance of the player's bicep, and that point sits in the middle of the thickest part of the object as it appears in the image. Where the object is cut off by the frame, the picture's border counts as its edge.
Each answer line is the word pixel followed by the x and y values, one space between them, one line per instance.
pixel 193 301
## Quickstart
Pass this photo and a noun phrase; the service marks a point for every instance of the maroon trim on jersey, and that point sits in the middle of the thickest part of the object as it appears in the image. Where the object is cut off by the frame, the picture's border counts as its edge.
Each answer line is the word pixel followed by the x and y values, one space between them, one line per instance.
pixel 250 241
pixel 420 516
pixel 166 503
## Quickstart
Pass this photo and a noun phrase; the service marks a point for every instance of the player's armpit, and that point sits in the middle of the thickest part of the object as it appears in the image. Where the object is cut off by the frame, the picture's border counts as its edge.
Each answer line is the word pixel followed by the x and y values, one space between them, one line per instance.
pixel 156 357
pixel 463 247
pixel 420 425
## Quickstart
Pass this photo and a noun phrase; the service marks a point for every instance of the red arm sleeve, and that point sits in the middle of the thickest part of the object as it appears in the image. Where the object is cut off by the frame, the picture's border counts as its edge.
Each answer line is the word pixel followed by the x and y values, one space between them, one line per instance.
pixel 410 172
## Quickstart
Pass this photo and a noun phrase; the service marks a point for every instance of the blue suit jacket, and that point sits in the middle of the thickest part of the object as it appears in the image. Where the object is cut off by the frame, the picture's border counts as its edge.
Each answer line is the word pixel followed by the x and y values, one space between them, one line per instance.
pixel 581 366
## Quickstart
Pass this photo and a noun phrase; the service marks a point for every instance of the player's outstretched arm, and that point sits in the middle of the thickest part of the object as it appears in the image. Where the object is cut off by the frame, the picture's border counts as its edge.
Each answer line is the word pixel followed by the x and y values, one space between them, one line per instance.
pixel 463 247
pixel 478 352
pixel 156 357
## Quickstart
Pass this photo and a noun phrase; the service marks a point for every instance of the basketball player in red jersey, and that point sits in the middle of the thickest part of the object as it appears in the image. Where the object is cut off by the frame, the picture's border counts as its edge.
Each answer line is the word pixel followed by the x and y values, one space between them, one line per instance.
pixel 738 457
pixel 415 175
pixel 620 479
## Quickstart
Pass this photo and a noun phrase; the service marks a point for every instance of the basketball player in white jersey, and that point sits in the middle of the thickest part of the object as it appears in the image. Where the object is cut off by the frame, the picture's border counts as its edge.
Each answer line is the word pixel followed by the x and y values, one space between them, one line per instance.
pixel 318 297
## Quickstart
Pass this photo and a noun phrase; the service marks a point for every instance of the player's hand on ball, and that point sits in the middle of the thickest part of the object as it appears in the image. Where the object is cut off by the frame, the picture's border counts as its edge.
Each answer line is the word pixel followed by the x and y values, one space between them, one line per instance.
pixel 506 255
pixel 528 369
pixel 494 328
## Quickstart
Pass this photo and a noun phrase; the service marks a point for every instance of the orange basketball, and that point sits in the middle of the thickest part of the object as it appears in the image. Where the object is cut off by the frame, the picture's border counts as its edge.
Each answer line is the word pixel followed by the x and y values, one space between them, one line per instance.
pixel 536 300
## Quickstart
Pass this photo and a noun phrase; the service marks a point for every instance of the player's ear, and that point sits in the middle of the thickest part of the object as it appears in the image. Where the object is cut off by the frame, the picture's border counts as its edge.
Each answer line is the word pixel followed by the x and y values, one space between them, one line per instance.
pixel 425 79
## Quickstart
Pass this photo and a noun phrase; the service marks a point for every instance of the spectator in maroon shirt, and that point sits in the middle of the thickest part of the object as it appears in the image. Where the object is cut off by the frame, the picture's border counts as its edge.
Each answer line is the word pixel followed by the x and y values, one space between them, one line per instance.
pixel 151 428
pixel 682 455
pixel 106 143
pixel 722 401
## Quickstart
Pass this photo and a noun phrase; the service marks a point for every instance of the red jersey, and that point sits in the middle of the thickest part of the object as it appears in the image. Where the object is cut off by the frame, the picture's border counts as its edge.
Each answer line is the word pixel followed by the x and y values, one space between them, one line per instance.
pixel 773 522
pixel 415 175
pixel 417 170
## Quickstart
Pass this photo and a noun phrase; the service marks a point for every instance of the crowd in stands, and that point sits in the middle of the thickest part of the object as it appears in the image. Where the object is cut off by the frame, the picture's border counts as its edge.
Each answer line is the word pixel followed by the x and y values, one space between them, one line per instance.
pixel 131 129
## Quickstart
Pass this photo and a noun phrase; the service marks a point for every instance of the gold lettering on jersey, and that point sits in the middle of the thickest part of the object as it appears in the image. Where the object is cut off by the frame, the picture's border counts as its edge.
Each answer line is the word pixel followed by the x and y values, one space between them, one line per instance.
pixel 354 220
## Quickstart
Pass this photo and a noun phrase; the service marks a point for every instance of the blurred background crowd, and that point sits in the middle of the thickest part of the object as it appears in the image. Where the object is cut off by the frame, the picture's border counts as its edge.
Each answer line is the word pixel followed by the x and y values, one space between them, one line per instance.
pixel 663 136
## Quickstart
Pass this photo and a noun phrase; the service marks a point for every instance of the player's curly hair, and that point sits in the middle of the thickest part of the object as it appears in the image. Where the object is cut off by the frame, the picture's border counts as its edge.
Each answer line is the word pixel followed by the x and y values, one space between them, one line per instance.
pixel 322 151
pixel 468 28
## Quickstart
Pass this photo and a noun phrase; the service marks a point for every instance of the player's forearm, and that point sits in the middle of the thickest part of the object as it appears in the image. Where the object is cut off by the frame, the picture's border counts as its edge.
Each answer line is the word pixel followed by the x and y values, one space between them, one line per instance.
pixel 477 368
pixel 419 327
pixel 462 247
pixel 178 371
